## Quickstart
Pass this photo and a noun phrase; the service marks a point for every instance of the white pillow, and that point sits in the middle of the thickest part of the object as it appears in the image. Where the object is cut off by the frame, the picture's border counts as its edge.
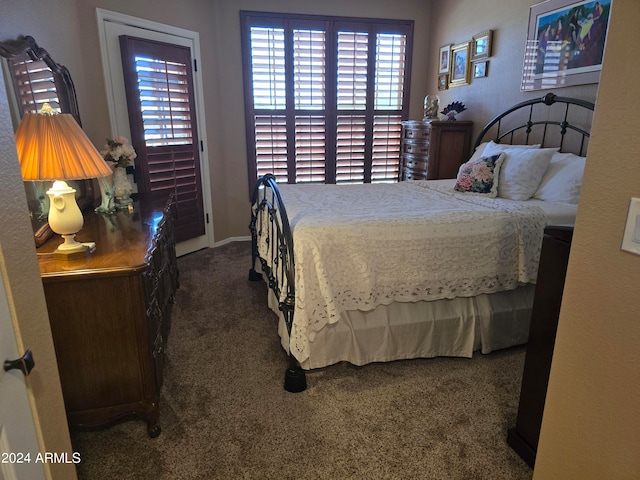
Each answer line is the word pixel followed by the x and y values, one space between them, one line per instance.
pixel 522 170
pixel 479 151
pixel 493 144
pixel 562 181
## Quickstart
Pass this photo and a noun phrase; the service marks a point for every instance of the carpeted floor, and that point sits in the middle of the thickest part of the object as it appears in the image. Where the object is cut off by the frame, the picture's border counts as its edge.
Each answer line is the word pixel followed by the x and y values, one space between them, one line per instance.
pixel 225 415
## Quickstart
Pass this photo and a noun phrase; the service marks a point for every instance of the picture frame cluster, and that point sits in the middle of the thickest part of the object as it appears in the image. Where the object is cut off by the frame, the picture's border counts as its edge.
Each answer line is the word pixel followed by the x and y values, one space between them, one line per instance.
pixel 455 61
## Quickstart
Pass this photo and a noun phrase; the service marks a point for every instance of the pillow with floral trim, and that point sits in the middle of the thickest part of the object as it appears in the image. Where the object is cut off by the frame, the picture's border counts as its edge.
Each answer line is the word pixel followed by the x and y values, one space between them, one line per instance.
pixel 480 176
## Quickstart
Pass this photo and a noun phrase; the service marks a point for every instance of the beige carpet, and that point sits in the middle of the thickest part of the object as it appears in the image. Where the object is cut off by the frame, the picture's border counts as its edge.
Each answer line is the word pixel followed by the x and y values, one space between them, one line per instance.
pixel 225 415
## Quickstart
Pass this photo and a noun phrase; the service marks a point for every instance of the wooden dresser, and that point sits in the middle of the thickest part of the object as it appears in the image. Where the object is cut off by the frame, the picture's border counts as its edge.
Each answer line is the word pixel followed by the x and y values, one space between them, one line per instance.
pixel 110 313
pixel 433 150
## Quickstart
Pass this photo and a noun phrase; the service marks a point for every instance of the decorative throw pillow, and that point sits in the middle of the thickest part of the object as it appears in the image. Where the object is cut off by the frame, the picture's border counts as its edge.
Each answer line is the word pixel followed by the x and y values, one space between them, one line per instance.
pixel 522 170
pixel 480 176
pixel 562 181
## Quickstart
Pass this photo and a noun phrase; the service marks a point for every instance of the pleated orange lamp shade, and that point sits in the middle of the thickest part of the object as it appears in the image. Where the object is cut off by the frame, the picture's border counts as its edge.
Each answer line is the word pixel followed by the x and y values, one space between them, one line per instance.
pixel 54 147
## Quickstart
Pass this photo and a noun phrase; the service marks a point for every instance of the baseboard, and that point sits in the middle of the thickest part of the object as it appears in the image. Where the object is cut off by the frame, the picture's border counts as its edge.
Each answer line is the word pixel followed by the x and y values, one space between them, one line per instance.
pixel 232 239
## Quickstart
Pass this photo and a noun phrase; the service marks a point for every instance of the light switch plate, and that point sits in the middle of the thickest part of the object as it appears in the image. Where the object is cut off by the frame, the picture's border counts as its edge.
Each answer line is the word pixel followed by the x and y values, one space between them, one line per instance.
pixel 631 237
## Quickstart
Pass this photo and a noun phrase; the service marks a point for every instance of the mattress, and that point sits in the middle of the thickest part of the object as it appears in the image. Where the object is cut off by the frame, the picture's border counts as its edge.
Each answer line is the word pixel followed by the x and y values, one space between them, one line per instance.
pixel 359 248
pixel 401 327
pixel 556 213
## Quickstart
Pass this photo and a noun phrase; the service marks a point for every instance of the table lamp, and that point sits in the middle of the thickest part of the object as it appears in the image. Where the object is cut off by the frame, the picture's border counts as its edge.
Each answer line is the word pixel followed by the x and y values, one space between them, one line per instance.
pixel 52 147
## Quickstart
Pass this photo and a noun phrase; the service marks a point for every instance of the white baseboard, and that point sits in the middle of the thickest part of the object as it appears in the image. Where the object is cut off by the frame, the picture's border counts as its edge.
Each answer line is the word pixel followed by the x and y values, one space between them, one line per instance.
pixel 232 239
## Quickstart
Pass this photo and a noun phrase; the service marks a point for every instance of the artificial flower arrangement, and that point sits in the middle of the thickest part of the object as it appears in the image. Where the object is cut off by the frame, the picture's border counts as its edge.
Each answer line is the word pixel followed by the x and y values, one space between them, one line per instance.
pixel 119 151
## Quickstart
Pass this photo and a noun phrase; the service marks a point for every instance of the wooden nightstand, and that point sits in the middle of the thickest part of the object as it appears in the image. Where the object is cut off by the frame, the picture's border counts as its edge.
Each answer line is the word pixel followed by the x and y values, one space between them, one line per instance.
pixel 554 259
pixel 110 313
pixel 433 150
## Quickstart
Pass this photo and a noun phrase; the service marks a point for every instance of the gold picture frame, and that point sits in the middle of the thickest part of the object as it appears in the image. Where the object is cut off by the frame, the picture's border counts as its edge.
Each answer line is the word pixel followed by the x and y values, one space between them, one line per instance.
pixel 443 81
pixel 443 59
pixel 459 71
pixel 481 45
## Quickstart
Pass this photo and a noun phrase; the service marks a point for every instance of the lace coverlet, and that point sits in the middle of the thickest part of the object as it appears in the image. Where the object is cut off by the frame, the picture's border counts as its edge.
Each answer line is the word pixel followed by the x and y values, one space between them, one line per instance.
pixel 360 246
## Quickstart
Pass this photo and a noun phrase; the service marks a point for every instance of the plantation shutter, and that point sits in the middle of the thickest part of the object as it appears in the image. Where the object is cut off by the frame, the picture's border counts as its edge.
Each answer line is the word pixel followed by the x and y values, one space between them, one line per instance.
pixel 390 68
pixel 324 97
pixel 34 84
pixel 352 74
pixel 270 127
pixel 159 87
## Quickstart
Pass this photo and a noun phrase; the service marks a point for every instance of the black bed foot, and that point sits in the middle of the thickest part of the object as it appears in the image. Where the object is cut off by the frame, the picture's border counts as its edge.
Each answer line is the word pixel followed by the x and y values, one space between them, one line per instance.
pixel 254 276
pixel 295 380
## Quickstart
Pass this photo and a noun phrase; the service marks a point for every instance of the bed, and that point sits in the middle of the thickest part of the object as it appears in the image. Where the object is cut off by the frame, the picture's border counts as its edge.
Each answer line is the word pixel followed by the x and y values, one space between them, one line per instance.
pixel 419 269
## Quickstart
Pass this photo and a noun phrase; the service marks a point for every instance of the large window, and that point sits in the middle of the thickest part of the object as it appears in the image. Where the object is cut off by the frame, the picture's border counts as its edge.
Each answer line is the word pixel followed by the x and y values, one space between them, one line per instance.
pixel 324 96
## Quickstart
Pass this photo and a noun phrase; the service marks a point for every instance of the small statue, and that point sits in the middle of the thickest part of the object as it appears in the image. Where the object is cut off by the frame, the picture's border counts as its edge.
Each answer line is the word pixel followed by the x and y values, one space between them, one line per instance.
pixel 431 105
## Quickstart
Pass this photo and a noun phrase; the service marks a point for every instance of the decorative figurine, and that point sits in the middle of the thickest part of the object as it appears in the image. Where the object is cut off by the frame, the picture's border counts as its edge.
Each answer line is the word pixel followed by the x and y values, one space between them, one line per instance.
pixel 453 109
pixel 431 105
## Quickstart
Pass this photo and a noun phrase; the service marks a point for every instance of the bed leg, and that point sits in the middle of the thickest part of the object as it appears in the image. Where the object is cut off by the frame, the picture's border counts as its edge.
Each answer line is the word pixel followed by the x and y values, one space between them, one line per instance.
pixel 295 380
pixel 254 276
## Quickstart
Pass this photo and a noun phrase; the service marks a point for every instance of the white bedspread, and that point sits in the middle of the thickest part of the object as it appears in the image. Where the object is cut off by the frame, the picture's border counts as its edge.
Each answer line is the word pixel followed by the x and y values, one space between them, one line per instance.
pixel 360 246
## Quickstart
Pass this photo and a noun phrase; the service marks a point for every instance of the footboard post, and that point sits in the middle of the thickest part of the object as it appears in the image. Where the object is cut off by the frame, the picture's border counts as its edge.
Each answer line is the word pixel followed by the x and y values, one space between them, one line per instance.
pixel 295 380
pixel 272 246
pixel 254 276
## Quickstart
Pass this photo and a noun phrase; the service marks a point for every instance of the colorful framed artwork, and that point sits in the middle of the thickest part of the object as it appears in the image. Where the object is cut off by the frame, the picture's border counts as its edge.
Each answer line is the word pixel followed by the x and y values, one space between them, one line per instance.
pixel 480 69
pixel 459 65
pixel 481 45
pixel 445 53
pixel 565 43
pixel 443 81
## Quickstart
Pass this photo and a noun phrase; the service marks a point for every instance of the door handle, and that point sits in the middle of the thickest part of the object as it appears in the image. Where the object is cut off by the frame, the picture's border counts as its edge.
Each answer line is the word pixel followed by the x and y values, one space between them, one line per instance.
pixel 25 363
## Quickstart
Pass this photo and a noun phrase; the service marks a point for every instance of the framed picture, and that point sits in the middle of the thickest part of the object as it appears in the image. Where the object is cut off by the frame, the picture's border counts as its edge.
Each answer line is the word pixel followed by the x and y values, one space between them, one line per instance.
pixel 445 53
pixel 459 65
pixel 565 43
pixel 481 45
pixel 443 81
pixel 480 69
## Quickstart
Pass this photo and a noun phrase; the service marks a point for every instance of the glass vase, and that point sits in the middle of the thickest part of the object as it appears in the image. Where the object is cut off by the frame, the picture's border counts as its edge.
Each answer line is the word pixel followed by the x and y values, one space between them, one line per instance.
pixel 122 188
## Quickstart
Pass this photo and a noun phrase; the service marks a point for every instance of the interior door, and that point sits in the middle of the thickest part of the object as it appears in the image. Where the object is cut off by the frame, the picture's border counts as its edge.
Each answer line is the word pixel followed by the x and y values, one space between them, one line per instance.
pixel 112 25
pixel 18 442
pixel 162 116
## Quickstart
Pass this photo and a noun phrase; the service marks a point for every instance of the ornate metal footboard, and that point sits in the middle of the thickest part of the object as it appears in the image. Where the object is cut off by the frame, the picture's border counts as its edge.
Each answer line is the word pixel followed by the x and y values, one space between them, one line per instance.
pixel 272 252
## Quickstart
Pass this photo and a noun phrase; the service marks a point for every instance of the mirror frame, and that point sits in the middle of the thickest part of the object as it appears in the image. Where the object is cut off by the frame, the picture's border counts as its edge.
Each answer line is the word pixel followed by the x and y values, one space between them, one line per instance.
pixel 68 104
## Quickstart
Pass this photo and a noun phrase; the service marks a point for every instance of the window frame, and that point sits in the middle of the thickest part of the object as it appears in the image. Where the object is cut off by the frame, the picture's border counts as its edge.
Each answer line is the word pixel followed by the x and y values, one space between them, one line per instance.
pixel 331 112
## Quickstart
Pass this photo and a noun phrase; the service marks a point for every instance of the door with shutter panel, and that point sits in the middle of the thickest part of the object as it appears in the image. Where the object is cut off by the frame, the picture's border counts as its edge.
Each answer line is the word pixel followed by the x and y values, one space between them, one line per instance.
pixel 160 100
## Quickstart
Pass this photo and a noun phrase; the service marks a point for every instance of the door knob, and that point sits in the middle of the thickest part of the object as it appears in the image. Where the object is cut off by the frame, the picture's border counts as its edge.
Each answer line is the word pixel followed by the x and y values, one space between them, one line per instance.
pixel 25 363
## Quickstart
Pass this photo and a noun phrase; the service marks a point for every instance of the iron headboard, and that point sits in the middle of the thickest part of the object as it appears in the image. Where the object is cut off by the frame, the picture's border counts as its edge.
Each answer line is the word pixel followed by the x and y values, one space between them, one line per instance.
pixel 540 126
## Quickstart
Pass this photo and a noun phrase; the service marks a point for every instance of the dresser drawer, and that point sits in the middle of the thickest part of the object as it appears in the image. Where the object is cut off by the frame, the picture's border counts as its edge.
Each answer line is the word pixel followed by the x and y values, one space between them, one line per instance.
pixel 412 175
pixel 415 148
pixel 417 132
pixel 415 163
